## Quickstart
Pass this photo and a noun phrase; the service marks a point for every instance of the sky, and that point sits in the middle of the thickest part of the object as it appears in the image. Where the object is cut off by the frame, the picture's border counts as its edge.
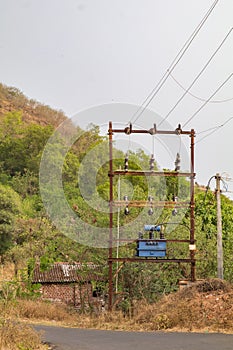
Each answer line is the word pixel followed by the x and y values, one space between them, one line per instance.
pixel 99 60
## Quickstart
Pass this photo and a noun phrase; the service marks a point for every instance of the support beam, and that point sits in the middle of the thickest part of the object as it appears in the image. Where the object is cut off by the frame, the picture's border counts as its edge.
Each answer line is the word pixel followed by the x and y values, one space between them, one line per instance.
pixel 166 204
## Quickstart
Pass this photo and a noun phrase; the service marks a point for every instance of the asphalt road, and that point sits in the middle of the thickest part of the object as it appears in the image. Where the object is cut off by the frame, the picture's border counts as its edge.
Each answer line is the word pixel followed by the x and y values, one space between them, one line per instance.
pixel 85 339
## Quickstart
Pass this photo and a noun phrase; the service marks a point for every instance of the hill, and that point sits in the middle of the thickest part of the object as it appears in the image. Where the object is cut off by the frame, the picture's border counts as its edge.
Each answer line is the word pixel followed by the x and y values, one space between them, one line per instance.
pixel 29 237
pixel 12 99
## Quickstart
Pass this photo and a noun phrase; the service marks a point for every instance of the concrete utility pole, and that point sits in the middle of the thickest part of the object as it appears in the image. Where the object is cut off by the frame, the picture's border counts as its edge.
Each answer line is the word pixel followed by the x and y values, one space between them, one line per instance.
pixel 219 228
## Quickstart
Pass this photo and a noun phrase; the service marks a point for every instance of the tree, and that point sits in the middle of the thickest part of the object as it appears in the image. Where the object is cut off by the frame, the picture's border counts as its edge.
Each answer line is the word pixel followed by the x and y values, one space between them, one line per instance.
pixel 34 138
pixel 21 145
pixel 206 235
pixel 9 208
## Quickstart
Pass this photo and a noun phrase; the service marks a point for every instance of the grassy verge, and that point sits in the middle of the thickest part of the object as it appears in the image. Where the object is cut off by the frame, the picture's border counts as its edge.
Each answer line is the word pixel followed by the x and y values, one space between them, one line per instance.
pixel 18 336
pixel 207 306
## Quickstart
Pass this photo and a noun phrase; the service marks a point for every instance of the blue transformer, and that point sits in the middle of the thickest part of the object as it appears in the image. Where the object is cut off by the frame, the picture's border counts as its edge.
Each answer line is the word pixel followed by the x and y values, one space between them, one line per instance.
pixel 152 228
pixel 152 248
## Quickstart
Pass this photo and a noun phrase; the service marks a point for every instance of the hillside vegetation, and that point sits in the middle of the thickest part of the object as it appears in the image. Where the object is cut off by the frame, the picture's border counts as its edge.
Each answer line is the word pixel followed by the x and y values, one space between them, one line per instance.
pixel 12 99
pixel 28 237
pixel 206 306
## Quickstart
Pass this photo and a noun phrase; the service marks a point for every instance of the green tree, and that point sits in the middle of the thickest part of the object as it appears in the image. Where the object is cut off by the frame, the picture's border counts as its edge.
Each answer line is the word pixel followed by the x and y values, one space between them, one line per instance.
pixel 21 145
pixel 11 147
pixel 10 205
pixel 206 235
pixel 34 138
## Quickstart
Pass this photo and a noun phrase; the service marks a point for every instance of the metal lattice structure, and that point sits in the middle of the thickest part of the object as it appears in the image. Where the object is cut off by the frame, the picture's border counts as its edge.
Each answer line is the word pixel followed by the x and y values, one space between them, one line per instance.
pixel 166 204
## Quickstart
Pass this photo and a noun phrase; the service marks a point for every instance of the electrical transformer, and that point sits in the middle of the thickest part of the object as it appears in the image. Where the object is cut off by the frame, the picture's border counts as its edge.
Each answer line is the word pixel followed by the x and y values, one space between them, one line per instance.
pixel 151 247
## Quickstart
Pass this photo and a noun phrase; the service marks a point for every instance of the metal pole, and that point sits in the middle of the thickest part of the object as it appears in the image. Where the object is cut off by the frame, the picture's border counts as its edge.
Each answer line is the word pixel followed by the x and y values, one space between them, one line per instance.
pixel 192 218
pixel 112 173
pixel 110 282
pixel 219 228
pixel 118 231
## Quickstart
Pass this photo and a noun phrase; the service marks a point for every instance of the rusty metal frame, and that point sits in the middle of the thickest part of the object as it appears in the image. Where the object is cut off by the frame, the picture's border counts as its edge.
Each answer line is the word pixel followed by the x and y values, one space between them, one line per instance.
pixel 167 204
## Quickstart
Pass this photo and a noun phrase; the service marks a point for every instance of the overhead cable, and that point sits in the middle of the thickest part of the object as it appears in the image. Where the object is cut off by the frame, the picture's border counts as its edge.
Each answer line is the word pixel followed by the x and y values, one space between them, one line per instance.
pixel 214 129
pixel 172 66
pixel 205 103
pixel 197 77
pixel 198 97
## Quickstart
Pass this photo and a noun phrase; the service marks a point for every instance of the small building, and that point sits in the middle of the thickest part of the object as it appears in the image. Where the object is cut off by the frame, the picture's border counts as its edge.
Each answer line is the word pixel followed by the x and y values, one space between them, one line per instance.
pixel 75 284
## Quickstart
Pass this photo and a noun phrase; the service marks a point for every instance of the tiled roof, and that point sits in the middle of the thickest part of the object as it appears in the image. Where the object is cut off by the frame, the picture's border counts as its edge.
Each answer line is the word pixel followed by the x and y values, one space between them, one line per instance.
pixel 67 272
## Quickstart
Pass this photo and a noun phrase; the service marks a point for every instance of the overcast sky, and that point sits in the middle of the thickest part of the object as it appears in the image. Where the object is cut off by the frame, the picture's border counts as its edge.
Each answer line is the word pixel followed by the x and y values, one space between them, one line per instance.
pixel 73 55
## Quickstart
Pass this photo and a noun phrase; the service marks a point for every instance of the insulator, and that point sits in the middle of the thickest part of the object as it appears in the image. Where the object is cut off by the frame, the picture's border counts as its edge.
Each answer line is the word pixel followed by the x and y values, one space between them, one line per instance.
pixel 178 129
pixel 175 198
pixel 161 236
pixel 125 198
pixel 126 210
pixel 152 162
pixel 126 163
pixel 150 198
pixel 177 162
pixel 151 235
pixel 153 130
pixel 150 211
pixel 174 212
pixel 140 235
pixel 128 129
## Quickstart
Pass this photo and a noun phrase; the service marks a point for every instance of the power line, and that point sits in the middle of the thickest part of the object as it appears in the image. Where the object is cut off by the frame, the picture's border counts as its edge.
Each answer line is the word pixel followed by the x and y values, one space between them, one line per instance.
pixel 205 103
pixel 197 77
pixel 208 186
pixel 227 177
pixel 198 97
pixel 204 137
pixel 172 66
pixel 225 185
pixel 214 129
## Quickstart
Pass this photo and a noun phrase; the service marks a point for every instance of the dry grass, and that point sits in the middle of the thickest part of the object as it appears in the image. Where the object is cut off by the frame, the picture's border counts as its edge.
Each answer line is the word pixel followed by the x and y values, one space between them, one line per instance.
pixel 7 272
pixel 41 310
pixel 18 336
pixel 206 306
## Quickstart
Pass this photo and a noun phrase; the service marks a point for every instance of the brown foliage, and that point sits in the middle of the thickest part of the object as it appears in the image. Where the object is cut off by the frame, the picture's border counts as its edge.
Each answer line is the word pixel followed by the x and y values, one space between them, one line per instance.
pixel 14 336
pixel 12 99
pixel 207 305
pixel 46 311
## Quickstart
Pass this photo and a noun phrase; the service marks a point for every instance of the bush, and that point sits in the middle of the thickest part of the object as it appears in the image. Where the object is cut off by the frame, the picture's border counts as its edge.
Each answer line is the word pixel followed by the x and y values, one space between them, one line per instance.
pixel 41 310
pixel 17 336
